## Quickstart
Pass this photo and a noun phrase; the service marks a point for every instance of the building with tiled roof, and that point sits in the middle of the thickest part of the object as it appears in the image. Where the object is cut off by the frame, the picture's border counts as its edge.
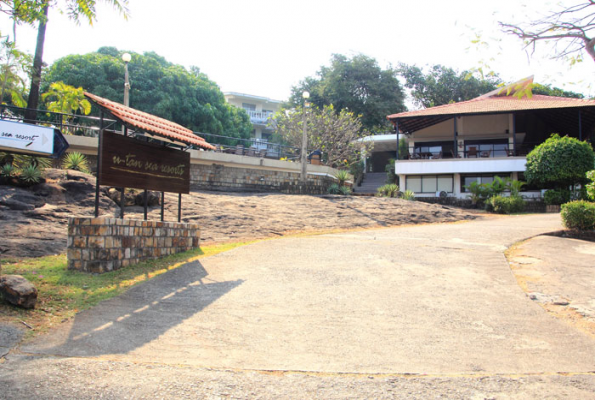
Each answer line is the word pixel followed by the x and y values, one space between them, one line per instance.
pixel 452 145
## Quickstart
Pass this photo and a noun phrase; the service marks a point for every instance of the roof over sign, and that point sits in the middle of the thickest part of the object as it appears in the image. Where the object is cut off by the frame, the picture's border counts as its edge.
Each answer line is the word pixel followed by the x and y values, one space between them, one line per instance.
pixel 150 124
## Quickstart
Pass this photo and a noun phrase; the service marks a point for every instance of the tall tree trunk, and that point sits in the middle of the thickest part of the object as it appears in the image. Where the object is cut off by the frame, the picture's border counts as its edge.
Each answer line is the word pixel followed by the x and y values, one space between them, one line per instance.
pixel 33 102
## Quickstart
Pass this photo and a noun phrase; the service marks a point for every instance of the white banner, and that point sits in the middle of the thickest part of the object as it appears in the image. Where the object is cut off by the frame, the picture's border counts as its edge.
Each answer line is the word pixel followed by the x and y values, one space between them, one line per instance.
pixel 26 138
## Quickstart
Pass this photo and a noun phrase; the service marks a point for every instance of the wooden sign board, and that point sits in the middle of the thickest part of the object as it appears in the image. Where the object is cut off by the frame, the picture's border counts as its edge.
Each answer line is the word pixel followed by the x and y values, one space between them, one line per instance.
pixel 127 162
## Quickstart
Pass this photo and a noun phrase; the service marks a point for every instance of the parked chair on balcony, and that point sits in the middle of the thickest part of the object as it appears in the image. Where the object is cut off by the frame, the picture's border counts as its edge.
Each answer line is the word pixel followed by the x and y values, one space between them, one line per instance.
pixel 414 156
pixel 240 150
pixel 436 156
pixel 262 153
pixel 486 154
pixel 250 152
pixel 472 152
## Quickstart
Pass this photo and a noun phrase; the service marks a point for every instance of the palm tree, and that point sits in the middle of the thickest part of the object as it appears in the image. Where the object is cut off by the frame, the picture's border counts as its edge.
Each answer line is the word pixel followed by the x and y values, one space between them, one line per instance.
pixel 76 10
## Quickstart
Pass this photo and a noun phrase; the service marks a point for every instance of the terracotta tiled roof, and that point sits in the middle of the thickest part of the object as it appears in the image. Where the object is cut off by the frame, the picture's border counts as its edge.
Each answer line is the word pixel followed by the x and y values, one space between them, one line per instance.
pixel 150 123
pixel 497 105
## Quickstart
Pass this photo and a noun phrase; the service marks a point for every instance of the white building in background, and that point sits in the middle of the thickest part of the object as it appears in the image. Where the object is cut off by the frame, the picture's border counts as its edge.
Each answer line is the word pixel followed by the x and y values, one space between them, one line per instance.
pixel 260 110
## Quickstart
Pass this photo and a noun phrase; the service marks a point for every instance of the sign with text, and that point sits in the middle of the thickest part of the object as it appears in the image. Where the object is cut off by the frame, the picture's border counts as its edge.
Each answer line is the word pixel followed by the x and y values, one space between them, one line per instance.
pixel 23 138
pixel 127 162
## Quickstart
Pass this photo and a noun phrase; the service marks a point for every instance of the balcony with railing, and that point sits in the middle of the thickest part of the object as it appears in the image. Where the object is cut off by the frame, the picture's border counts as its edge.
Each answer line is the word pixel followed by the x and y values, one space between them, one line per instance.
pixel 259 117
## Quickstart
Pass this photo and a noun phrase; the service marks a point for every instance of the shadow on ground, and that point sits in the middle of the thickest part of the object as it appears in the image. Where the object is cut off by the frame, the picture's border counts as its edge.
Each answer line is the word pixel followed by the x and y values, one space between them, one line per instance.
pixel 137 317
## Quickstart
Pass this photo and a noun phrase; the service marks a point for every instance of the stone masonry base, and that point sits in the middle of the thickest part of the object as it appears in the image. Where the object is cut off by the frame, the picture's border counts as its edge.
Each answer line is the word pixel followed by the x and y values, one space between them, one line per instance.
pixel 100 245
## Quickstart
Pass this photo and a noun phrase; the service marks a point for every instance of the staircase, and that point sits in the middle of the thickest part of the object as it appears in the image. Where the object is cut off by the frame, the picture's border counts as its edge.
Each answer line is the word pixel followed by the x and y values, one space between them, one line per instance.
pixel 371 182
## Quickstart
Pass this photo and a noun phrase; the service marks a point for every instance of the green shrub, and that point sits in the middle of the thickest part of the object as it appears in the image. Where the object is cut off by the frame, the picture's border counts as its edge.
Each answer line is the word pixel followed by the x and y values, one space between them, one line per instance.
pixel 505 205
pixel 391 177
pixel 408 195
pixel 76 161
pixel 333 189
pixel 579 215
pixel 389 190
pixel 7 171
pixel 345 190
pixel 342 177
pixel 30 174
pixel 556 196
pixel 591 186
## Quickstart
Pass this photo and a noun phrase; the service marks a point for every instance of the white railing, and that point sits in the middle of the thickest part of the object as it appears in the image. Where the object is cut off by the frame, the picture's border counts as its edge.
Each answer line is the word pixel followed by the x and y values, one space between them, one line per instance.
pixel 259 116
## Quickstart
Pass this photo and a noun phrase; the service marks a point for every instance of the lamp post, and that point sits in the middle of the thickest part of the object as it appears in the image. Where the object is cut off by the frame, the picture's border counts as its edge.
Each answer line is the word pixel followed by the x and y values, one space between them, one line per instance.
pixel 126 57
pixel 306 96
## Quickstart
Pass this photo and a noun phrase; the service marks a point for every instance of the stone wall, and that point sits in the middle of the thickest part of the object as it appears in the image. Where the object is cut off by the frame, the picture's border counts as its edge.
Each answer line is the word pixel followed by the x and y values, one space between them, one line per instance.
pixel 229 178
pixel 105 244
pixel 230 172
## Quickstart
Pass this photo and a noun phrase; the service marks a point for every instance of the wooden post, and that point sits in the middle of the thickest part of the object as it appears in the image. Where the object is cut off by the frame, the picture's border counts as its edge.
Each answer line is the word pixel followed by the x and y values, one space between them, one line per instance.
pixel 179 207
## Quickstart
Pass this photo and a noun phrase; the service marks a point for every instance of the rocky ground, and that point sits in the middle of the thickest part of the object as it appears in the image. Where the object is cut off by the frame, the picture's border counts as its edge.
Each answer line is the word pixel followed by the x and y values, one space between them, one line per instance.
pixel 33 221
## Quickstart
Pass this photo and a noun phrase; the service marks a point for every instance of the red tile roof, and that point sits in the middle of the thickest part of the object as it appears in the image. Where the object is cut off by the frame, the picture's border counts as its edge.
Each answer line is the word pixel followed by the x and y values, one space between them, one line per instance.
pixel 497 105
pixel 150 123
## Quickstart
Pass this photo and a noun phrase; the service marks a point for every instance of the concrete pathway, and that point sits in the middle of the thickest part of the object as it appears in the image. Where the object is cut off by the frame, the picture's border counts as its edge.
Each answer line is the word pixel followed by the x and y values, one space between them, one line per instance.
pixel 433 299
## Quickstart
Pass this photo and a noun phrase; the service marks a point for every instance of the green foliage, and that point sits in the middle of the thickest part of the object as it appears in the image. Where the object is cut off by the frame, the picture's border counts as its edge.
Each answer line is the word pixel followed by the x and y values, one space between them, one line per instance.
pixel 15 65
pixel 548 90
pixel 408 195
pixel 333 189
pixel 7 171
pixel 30 174
pixel 556 196
pixel 403 149
pixel 388 190
pixel 515 187
pixel 391 177
pixel 578 215
pixel 479 191
pixel 357 170
pixel 66 99
pixel 345 190
pixel 443 85
pixel 158 87
pixel 342 176
pixel 357 84
pixel 336 134
pixel 505 205
pixel 559 162
pixel 76 161
pixel 591 186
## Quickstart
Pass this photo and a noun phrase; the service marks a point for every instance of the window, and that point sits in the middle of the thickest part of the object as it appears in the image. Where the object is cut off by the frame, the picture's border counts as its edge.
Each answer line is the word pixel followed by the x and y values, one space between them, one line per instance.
pixel 429 183
pixel 466 180
pixel 249 107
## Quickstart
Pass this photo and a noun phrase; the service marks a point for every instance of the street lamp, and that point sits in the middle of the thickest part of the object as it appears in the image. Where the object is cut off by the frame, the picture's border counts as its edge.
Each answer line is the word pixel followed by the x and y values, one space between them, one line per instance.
pixel 306 96
pixel 126 57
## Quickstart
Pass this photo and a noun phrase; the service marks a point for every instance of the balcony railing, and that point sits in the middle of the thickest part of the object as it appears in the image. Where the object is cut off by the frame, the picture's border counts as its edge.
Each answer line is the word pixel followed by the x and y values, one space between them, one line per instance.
pixel 474 151
pixel 259 117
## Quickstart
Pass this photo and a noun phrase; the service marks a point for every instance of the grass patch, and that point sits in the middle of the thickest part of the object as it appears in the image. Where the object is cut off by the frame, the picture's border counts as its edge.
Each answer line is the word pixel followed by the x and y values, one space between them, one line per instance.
pixel 63 293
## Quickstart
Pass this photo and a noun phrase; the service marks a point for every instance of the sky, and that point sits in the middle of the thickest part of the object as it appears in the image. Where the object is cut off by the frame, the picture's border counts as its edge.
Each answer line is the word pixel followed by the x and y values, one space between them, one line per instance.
pixel 265 47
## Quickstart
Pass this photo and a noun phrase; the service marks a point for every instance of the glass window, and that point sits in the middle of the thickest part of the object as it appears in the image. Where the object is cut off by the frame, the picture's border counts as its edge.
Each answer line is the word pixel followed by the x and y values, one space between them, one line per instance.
pixel 428 183
pixel 413 183
pixel 249 107
pixel 483 178
pixel 445 183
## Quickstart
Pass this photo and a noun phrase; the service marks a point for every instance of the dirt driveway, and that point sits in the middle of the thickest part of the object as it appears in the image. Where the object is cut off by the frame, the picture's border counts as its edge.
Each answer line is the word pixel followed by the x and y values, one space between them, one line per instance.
pixel 418 310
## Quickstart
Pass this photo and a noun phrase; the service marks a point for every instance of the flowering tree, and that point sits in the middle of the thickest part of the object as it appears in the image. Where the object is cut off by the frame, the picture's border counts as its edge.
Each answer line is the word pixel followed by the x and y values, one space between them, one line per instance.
pixel 339 136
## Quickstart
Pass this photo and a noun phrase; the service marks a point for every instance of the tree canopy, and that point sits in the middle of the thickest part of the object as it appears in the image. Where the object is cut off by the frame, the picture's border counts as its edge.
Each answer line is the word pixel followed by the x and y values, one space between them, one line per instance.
pixel 356 84
pixel 442 85
pixel 335 133
pixel 158 87
pixel 559 162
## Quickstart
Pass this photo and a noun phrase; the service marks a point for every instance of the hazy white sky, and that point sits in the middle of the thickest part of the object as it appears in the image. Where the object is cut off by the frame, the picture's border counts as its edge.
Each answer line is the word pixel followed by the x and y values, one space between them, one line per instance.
pixel 264 47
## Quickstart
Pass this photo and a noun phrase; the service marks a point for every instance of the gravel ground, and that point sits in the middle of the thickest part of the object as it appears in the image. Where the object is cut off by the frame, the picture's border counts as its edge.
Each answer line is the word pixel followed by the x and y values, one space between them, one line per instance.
pixel 56 378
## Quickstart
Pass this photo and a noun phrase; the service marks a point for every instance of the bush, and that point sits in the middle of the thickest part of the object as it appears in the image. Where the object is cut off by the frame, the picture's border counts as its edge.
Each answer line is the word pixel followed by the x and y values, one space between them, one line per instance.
pixel 578 215
pixel 505 205
pixel 408 195
pixel 556 197
pixel 333 189
pixel 30 175
pixel 342 176
pixel 76 161
pixel 389 190
pixel 345 190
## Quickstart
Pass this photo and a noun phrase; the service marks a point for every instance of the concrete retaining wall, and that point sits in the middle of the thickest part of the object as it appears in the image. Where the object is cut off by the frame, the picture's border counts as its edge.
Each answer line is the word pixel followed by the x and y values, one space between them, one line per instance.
pixel 104 244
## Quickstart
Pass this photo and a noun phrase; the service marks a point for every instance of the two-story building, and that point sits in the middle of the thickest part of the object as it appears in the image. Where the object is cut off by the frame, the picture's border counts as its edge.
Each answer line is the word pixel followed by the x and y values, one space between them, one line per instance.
pixel 260 109
pixel 452 145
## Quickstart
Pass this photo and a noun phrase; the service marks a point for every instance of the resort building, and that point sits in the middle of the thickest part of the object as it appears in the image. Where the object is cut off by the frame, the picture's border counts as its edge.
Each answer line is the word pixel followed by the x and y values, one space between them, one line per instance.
pixel 260 110
pixel 452 145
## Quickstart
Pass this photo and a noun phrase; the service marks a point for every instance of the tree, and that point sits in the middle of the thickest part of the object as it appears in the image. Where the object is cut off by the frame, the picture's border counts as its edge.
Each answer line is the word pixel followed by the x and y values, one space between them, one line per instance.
pixel 358 85
pixel 443 85
pixel 559 162
pixel 14 67
pixel 77 10
pixel 554 91
pixel 568 28
pixel 158 87
pixel 66 99
pixel 337 134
